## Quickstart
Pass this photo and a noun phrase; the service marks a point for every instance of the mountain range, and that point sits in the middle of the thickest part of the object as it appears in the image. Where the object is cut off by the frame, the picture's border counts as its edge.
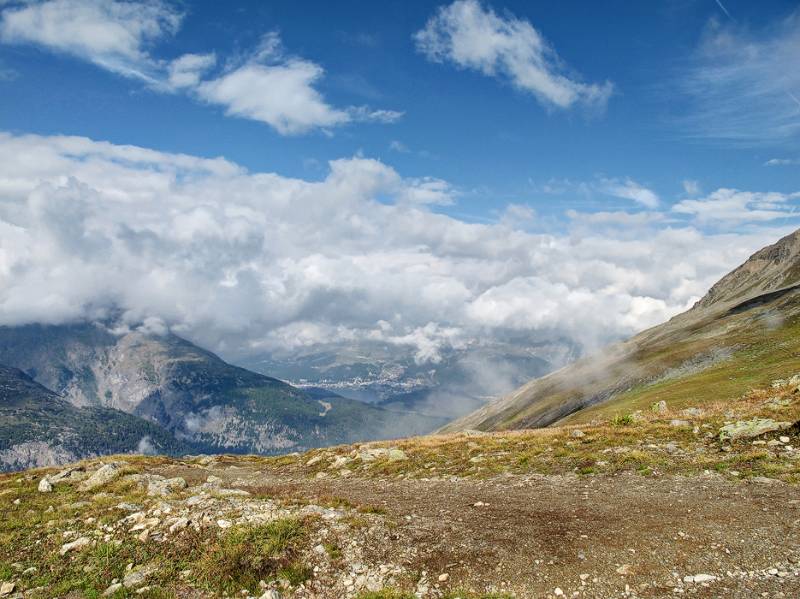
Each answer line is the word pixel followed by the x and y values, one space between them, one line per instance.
pixel 170 396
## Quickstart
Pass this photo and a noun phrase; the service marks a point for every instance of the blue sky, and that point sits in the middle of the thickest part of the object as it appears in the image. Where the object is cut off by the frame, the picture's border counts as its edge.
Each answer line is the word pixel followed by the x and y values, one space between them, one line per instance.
pixel 282 176
pixel 493 142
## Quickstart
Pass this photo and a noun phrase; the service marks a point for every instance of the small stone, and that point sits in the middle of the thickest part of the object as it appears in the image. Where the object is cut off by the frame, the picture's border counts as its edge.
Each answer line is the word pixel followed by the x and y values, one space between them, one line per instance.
pixel 223 524
pixel 112 589
pixel 397 455
pixel 7 588
pixel 444 577
pixel 179 524
pixel 558 592
pixel 624 570
pixel 135 578
pixel 577 434
pixel 271 594
pixel 699 578
pixel 165 487
pixel 45 486
pixel 784 439
pixel 75 545
pixel 678 423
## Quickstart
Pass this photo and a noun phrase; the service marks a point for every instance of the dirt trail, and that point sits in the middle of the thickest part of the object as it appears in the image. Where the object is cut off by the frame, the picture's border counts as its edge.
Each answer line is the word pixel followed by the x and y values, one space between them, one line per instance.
pixel 627 535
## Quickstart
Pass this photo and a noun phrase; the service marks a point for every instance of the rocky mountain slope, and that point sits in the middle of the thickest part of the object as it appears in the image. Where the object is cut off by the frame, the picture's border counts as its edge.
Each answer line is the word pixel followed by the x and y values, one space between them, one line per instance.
pixel 743 333
pixel 39 428
pixel 190 392
pixel 672 502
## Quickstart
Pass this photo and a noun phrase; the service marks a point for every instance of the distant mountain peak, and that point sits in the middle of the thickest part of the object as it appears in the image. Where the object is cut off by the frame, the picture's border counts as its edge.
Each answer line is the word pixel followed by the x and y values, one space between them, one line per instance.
pixel 772 268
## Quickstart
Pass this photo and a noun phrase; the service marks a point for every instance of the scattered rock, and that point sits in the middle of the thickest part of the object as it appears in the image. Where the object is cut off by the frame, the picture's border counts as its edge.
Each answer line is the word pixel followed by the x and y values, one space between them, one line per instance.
pixel 75 545
pixel 7 588
pixel 104 475
pixel 747 429
pixel 678 423
pixel 659 407
pixel 45 486
pixel 577 434
pixel 699 578
pixel 112 589
pixel 136 578
pixel 444 577
pixel 165 487
pixel 397 455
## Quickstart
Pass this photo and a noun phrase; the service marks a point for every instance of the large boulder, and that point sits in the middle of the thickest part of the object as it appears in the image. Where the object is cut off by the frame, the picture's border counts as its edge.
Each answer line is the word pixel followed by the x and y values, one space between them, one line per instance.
pixel 104 475
pixel 747 429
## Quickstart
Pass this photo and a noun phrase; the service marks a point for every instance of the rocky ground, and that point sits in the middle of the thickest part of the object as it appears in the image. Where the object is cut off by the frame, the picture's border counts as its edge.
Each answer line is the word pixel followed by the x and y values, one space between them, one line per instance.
pixel 701 503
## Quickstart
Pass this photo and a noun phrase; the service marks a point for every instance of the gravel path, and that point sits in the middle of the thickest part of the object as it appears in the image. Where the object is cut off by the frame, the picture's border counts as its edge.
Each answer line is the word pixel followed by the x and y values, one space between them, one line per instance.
pixel 598 536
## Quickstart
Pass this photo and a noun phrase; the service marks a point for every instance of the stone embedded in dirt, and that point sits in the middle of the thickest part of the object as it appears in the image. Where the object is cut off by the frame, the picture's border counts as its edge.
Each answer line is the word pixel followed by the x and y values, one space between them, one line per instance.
pixel 75 545
pixel 444 577
pixel 784 439
pixel 699 578
pixel 7 588
pixel 102 476
pixel 747 429
pixel 45 486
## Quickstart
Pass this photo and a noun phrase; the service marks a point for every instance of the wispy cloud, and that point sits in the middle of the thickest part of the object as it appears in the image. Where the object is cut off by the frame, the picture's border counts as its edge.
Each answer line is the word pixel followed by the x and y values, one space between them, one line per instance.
pixel 270 86
pixel 742 86
pixel 725 10
pixel 472 36
pixel 630 190
pixel 782 162
pixel 732 206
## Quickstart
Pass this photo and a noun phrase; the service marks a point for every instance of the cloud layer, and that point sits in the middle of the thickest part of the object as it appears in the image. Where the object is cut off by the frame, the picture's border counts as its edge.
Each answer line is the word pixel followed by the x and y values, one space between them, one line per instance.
pixel 269 85
pixel 249 262
pixel 471 36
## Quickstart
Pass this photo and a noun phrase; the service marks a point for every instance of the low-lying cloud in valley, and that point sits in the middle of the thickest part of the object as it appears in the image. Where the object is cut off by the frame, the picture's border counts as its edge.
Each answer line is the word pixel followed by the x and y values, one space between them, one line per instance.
pixel 249 263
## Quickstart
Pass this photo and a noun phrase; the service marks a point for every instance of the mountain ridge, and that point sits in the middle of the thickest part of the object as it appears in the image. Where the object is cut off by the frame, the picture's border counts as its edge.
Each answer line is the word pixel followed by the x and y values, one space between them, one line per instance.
pixel 748 308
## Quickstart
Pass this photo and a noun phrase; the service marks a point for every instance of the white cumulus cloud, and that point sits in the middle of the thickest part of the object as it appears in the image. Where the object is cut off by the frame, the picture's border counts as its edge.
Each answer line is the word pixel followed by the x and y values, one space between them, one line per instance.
pixel 472 36
pixel 270 86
